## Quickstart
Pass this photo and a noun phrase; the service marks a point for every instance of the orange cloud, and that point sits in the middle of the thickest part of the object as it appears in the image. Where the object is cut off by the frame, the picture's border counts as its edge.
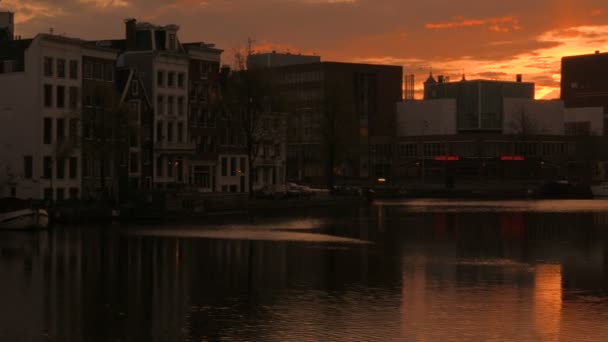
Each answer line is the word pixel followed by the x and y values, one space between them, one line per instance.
pixel 25 12
pixel 496 24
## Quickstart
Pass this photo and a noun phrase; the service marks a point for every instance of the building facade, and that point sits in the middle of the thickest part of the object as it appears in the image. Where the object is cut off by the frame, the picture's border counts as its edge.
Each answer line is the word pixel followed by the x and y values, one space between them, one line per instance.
pixel 275 60
pixel 335 112
pixel 584 81
pixel 42 81
pixel 536 139
pixel 157 54
pixel 479 103
pixel 203 102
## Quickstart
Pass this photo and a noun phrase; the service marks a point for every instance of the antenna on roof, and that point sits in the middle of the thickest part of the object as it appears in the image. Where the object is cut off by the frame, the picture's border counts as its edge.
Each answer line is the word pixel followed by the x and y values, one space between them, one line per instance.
pixel 250 46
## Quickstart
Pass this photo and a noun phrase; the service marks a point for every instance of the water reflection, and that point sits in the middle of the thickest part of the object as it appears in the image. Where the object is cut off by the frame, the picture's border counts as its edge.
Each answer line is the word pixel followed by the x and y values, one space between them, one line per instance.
pixel 390 272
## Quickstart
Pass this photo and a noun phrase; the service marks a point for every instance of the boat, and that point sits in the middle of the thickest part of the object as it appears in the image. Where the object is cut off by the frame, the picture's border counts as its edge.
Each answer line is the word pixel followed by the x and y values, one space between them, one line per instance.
pixel 600 190
pixel 18 214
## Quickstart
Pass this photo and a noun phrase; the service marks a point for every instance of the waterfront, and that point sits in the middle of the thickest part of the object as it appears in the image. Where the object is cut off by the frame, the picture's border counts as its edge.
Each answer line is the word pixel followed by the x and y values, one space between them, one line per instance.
pixel 420 270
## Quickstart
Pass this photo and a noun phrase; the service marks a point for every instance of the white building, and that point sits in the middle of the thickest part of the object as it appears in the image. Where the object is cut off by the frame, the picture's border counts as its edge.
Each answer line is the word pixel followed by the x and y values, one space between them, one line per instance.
pixel 40 111
pixel 535 117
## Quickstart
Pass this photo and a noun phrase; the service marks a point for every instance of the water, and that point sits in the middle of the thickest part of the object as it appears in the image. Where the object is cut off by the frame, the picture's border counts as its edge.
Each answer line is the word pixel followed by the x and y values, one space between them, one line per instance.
pixel 397 271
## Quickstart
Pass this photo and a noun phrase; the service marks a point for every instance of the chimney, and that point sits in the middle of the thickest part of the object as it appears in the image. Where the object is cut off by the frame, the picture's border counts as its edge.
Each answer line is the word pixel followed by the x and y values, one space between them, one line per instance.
pixel 131 33
pixel 518 78
pixel 440 79
pixel 597 52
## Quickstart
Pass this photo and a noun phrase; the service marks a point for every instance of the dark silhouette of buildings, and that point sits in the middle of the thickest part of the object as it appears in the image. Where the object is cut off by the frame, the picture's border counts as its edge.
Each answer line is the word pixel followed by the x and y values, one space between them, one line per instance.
pixel 584 81
pixel 335 112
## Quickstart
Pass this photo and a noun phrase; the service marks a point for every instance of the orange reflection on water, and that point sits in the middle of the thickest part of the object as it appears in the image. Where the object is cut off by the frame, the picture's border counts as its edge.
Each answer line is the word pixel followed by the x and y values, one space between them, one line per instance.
pixel 548 301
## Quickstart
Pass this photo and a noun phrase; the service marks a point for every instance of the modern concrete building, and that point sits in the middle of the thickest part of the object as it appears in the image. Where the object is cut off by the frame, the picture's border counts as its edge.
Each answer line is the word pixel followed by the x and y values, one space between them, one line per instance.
pixel 479 103
pixel 275 60
pixel 536 139
pixel 41 84
pixel 335 112
pixel 584 81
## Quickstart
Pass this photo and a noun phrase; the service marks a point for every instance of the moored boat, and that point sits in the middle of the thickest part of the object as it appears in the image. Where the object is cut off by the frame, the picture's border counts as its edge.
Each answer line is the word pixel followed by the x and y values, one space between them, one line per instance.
pixel 18 214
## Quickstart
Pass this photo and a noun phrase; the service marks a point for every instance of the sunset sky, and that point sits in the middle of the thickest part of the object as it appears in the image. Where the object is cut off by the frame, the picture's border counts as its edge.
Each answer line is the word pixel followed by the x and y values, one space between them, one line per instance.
pixel 484 38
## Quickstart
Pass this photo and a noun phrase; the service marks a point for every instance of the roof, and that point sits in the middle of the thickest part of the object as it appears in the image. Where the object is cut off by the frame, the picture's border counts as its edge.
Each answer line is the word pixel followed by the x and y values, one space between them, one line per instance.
pixel 202 46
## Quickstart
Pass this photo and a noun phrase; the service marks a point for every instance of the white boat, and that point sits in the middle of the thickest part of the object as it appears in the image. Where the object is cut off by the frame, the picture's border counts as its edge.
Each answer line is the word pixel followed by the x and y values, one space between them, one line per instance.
pixel 600 190
pixel 17 214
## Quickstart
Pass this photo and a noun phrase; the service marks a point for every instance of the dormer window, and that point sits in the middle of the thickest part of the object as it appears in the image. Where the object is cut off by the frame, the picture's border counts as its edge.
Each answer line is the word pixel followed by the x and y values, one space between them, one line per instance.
pixel 171 41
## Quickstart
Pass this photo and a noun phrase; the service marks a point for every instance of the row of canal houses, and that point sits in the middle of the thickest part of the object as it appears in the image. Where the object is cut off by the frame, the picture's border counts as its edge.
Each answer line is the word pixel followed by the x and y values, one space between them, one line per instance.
pixel 82 119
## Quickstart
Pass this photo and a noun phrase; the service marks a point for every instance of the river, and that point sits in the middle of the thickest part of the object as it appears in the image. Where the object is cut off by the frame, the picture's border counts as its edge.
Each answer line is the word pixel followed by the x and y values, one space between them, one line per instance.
pixel 418 270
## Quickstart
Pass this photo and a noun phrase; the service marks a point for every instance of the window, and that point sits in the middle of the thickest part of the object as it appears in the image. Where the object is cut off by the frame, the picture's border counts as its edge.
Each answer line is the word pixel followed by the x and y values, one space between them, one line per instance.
pixel 243 166
pixel 159 167
pixel 47 167
pixel 48 194
pixel 28 167
pixel 180 132
pixel 48 131
pixel 60 129
pixel 224 166
pixel 98 71
pixel 233 166
pixel 180 105
pixel 170 105
pixel 134 108
pixel 86 166
pixel 134 162
pixel 60 194
pixel 108 70
pixel 60 163
pixel 159 131
pixel 180 80
pixel 134 137
pixel 60 97
pixel 73 193
pixel 73 92
pixel 73 168
pixel 48 66
pixel 48 95
pixel 160 78
pixel 160 105
pixel 170 169
pixel 88 70
pixel 73 70
pixel 172 41
pixel 170 131
pixel 61 68
pixel 171 79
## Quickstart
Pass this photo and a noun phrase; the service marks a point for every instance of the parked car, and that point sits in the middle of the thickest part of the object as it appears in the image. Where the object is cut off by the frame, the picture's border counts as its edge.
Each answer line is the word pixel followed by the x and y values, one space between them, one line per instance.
pixel 272 192
pixel 297 190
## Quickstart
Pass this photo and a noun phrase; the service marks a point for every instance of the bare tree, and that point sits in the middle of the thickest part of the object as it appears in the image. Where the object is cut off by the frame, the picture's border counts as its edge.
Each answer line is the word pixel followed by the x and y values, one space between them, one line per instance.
pixel 248 101
pixel 523 124
pixel 106 126
pixel 332 110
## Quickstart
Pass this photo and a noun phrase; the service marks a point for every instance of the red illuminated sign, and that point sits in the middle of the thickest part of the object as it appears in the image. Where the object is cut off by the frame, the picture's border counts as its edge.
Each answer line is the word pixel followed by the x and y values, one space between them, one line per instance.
pixel 512 158
pixel 447 158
